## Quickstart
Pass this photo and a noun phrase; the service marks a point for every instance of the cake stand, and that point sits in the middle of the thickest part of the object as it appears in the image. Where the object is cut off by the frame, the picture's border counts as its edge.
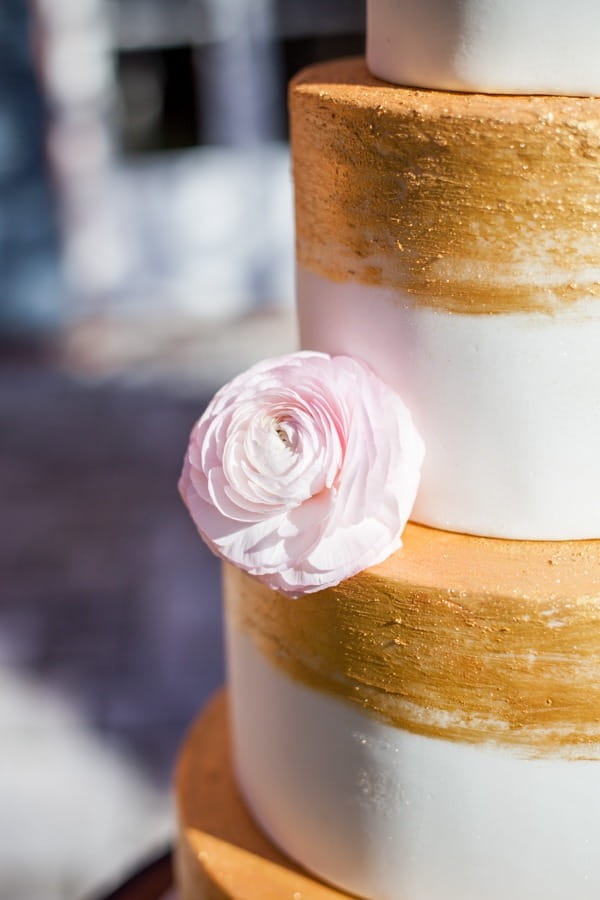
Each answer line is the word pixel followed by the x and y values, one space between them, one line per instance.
pixel 151 882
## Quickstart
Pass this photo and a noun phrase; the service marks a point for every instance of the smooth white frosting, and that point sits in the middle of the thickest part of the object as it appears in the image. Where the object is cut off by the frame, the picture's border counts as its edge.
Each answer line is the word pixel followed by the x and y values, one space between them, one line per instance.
pixel 507 405
pixel 494 46
pixel 391 815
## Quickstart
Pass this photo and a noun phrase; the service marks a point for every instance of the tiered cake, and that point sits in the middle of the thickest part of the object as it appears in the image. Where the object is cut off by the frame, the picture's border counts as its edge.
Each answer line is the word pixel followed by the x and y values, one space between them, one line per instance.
pixel 429 729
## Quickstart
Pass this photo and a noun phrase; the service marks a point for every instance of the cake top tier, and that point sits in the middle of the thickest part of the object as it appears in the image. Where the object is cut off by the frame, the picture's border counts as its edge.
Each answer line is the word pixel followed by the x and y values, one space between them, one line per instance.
pixel 490 46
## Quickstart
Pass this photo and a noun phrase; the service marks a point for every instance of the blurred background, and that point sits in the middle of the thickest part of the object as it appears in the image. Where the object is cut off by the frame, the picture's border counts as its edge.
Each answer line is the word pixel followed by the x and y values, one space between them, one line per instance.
pixel 146 255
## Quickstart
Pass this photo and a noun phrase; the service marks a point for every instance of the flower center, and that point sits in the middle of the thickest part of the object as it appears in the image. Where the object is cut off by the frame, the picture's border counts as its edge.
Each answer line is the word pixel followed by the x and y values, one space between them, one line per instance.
pixel 283 434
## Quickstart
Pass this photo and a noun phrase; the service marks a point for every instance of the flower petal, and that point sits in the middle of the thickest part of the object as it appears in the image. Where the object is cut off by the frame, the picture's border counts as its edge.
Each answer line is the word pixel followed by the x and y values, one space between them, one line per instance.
pixel 303 471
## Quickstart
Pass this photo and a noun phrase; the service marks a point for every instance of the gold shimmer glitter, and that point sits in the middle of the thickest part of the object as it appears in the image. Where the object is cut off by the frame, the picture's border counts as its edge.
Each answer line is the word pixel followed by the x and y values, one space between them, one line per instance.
pixel 464 638
pixel 468 202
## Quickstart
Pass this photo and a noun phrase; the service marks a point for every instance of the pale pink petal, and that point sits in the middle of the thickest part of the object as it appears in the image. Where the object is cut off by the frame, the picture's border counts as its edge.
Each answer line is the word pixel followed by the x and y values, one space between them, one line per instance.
pixel 303 471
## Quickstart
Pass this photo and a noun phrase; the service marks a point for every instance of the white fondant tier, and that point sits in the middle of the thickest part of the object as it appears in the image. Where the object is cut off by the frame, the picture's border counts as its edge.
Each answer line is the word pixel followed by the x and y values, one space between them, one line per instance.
pixel 391 815
pixel 491 46
pixel 508 405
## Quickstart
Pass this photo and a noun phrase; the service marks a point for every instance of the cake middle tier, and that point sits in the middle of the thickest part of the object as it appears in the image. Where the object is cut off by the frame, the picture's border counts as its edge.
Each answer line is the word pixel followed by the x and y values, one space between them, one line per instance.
pixel 429 728
pixel 452 241
pixel 453 636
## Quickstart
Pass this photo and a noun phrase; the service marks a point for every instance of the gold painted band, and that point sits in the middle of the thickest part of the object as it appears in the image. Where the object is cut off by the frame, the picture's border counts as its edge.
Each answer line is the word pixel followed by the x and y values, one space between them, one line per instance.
pixel 459 662
pixel 466 202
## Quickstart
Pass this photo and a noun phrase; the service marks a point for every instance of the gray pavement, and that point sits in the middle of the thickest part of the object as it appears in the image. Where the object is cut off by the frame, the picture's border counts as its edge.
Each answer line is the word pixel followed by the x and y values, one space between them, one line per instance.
pixel 110 634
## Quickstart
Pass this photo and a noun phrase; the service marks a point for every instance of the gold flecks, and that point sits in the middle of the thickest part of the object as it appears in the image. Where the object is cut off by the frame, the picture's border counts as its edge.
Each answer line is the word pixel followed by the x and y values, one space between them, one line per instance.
pixel 469 639
pixel 485 205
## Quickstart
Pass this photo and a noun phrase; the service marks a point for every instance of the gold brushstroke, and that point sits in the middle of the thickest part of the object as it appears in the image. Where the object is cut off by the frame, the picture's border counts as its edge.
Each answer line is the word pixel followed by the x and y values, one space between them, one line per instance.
pixel 471 203
pixel 469 639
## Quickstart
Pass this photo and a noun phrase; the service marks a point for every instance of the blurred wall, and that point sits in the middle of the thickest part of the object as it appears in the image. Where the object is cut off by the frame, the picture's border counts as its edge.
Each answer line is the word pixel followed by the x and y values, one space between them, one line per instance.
pixel 165 126
pixel 30 287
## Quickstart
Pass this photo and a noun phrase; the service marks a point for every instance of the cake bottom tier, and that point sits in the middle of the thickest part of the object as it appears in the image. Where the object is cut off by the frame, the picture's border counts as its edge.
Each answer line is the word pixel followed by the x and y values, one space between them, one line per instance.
pixel 220 852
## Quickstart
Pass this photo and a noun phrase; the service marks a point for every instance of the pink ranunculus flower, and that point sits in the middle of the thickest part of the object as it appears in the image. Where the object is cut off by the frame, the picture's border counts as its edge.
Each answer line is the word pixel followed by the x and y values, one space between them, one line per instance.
pixel 303 471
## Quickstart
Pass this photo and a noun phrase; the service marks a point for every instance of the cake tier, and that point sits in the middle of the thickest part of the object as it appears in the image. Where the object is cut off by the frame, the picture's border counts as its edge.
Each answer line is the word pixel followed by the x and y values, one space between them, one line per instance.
pixel 220 853
pixel 508 46
pixel 452 242
pixel 431 727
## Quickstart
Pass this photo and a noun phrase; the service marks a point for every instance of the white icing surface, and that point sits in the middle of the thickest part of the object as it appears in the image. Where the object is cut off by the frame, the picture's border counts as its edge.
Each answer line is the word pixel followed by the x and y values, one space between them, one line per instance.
pixel 508 405
pixel 391 815
pixel 496 46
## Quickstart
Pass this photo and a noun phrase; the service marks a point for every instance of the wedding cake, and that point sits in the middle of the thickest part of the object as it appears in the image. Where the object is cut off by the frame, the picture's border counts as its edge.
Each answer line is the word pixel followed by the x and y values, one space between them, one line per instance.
pixel 415 705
